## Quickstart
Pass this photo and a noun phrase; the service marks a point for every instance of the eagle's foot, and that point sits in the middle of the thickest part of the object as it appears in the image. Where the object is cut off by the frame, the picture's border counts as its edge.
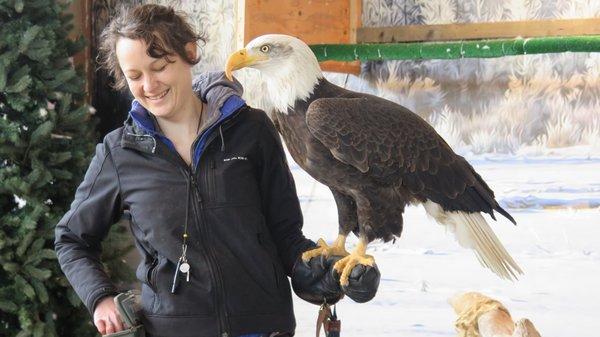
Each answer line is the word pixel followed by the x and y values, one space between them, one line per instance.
pixel 324 249
pixel 344 266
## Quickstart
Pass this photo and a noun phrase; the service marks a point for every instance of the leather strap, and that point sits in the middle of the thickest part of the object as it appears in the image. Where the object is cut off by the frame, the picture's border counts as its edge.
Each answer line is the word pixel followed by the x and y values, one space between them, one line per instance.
pixel 330 323
pixel 324 314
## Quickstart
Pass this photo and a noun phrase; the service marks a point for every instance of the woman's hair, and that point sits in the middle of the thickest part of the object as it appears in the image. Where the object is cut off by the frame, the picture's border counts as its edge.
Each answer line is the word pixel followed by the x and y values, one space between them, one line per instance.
pixel 164 31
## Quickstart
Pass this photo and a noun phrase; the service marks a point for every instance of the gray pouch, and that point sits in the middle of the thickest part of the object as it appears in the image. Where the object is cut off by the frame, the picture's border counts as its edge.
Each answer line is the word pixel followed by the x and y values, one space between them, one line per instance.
pixel 128 305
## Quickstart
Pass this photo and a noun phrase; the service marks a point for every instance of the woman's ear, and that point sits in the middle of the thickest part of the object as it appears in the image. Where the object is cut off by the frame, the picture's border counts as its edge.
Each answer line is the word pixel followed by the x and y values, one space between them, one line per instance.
pixel 192 50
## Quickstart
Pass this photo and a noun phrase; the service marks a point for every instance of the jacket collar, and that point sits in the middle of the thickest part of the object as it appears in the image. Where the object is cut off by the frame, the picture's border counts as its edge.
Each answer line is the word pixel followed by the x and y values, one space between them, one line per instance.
pixel 140 132
pixel 222 98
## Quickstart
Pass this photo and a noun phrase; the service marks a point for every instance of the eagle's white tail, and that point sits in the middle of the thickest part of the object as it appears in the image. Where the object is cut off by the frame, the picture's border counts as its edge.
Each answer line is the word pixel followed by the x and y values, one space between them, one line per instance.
pixel 472 231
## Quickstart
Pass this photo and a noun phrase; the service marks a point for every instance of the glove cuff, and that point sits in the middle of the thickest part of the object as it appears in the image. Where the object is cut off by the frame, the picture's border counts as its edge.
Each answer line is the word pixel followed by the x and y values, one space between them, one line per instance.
pixel 314 282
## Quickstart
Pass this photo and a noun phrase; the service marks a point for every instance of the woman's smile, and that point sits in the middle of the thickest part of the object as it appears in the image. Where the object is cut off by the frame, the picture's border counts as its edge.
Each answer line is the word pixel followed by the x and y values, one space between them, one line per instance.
pixel 158 98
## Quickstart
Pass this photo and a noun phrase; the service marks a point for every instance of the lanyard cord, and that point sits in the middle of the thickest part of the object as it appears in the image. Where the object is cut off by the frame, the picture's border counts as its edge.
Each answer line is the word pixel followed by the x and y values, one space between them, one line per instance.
pixel 188 190
pixel 183 259
pixel 187 215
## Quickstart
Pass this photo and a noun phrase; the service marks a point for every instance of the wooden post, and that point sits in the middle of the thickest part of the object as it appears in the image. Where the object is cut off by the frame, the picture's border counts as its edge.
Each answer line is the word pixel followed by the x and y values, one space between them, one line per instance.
pixel 314 22
pixel 477 31
pixel 82 26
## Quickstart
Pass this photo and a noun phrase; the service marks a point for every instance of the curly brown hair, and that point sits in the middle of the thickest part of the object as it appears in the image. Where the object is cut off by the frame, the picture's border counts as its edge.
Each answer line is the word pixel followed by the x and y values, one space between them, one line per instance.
pixel 165 32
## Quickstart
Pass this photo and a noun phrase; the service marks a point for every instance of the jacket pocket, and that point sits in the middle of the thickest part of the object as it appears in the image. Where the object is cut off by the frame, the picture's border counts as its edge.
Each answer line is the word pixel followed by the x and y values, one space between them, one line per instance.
pixel 247 268
pixel 193 298
pixel 212 185
pixel 276 276
pixel 271 251
pixel 145 269
pixel 266 243
pixel 230 178
pixel 151 274
pixel 145 274
pixel 208 179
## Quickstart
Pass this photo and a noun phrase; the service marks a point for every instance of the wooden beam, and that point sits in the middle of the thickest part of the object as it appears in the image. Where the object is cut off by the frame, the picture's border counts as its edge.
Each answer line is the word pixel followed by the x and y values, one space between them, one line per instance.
pixel 315 22
pixel 240 18
pixel 351 67
pixel 474 31
pixel 328 22
pixel 82 26
pixel 355 19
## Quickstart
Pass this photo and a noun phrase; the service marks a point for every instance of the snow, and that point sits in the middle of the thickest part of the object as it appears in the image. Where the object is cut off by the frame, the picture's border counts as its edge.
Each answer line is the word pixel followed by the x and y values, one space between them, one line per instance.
pixel 555 200
pixel 20 201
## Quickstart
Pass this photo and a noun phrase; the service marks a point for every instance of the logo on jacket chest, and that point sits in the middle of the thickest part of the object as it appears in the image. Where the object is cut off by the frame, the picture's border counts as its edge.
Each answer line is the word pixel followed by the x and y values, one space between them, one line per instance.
pixel 235 158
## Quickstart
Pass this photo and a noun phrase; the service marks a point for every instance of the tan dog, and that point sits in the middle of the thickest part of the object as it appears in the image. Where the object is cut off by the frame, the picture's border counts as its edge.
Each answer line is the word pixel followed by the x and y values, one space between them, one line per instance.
pixel 481 316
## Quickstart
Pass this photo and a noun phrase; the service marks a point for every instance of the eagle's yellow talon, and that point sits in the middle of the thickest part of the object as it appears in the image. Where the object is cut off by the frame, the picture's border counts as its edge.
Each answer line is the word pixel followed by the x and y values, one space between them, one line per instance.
pixel 337 249
pixel 344 266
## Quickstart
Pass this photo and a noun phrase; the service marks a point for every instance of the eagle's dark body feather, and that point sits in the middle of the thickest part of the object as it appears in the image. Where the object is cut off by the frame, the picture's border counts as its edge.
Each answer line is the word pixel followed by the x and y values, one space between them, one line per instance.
pixel 376 157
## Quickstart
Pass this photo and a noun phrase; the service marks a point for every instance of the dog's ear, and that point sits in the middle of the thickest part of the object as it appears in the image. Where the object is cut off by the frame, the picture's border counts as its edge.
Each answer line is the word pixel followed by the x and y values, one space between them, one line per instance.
pixel 456 303
pixel 464 301
pixel 525 328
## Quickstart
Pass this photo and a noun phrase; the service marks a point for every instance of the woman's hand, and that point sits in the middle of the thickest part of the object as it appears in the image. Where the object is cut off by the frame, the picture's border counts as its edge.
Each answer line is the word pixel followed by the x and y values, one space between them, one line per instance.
pixel 106 316
pixel 316 281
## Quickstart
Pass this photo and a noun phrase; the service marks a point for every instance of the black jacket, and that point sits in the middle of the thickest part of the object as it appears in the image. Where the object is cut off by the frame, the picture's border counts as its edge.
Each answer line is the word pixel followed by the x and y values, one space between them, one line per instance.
pixel 244 223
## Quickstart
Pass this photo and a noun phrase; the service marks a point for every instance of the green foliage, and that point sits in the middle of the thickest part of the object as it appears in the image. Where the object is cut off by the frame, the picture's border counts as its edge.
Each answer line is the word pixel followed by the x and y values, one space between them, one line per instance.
pixel 46 141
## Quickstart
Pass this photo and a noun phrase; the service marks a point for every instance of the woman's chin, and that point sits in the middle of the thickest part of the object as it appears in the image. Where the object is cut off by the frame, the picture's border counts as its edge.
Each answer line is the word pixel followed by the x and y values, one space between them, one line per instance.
pixel 162 113
pixel 160 110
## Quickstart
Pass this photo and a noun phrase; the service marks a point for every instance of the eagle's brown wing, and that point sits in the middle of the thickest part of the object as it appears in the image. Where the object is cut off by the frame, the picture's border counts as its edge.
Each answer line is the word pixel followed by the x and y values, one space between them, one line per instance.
pixel 393 145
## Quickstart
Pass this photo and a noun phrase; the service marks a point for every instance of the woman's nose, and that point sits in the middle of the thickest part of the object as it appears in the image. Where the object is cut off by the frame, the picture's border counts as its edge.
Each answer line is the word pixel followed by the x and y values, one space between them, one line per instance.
pixel 150 84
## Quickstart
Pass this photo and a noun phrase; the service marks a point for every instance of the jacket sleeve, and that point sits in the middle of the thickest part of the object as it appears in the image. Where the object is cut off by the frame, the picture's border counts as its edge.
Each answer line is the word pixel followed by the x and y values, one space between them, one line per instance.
pixel 279 199
pixel 97 205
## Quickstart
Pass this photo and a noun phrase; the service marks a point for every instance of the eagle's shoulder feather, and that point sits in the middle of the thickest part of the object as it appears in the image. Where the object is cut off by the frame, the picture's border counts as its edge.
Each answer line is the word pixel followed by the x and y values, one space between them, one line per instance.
pixel 389 143
pixel 376 135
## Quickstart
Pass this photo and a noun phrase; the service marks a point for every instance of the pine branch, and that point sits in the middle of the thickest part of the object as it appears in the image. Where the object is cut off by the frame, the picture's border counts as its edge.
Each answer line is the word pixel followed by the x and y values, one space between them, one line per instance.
pixel 46 141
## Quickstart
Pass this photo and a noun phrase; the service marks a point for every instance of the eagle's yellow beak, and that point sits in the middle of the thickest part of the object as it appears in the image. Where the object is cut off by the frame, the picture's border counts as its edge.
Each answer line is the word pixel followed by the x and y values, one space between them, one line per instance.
pixel 239 60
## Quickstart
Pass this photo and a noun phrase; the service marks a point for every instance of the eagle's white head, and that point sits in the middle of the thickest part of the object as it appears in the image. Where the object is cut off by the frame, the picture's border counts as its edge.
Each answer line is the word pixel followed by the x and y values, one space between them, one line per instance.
pixel 287 65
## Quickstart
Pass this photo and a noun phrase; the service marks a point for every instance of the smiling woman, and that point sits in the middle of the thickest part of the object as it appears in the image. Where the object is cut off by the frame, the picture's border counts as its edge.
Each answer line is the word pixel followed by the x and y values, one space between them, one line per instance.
pixel 213 206
pixel 159 85
pixel 153 55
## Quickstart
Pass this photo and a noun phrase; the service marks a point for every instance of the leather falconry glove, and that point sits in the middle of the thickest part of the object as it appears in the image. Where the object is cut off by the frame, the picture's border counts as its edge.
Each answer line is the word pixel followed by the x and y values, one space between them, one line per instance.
pixel 316 281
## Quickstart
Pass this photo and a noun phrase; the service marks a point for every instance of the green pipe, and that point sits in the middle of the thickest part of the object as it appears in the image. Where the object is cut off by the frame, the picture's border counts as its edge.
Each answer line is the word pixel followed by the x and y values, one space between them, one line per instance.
pixel 456 49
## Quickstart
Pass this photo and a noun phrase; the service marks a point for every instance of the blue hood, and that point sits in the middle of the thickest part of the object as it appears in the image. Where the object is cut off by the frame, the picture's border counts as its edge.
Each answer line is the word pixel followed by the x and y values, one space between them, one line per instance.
pixel 222 97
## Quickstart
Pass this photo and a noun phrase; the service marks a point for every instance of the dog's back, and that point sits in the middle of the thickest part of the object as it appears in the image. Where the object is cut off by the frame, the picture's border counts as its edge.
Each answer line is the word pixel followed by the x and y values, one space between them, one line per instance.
pixel 482 316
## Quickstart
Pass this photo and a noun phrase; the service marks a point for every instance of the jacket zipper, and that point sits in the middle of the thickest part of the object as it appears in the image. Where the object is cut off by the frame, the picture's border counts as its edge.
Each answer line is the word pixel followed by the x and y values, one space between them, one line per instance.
pixel 223 316
pixel 189 172
pixel 208 252
pixel 212 263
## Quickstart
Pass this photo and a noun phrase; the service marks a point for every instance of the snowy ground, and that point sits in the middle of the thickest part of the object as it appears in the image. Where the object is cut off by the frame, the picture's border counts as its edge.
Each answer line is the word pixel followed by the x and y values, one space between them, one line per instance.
pixel 557 243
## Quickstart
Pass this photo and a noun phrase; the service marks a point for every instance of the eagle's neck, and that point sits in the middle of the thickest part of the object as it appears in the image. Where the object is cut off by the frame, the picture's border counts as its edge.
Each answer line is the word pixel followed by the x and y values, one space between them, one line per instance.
pixel 290 82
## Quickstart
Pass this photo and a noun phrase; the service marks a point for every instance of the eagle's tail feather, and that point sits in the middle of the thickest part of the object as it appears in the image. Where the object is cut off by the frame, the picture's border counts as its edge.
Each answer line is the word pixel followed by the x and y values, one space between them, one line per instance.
pixel 472 231
pixel 506 214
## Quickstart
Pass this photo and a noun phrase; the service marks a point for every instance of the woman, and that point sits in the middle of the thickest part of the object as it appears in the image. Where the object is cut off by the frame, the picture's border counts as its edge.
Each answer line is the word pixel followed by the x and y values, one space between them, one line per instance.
pixel 205 181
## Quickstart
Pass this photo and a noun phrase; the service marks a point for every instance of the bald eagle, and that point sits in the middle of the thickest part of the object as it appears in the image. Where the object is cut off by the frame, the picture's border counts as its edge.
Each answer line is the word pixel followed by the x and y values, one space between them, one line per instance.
pixel 376 156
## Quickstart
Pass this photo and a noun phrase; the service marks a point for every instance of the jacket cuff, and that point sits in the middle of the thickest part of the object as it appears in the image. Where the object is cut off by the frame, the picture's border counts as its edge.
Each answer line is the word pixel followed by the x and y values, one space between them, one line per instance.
pixel 97 295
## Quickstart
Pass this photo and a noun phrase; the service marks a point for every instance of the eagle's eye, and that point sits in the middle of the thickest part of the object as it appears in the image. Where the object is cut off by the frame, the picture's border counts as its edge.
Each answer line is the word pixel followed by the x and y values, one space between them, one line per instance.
pixel 265 48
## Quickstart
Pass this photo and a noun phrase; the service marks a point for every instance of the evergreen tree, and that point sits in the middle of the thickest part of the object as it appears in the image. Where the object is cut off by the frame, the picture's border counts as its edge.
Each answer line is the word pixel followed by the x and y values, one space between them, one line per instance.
pixel 46 142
